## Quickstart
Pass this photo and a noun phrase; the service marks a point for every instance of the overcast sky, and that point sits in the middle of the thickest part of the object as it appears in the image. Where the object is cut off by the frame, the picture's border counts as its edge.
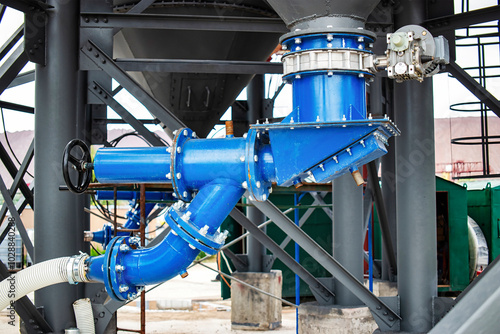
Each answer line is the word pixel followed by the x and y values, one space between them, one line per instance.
pixel 447 91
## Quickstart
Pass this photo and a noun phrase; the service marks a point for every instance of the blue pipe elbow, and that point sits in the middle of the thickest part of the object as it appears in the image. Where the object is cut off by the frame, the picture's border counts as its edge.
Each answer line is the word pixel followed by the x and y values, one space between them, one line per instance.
pixel 125 267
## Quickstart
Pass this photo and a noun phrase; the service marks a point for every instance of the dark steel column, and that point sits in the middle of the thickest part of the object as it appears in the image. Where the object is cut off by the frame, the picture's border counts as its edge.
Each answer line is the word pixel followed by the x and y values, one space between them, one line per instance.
pixel 58 230
pixel 415 186
pixel 255 250
pixel 348 234
pixel 388 173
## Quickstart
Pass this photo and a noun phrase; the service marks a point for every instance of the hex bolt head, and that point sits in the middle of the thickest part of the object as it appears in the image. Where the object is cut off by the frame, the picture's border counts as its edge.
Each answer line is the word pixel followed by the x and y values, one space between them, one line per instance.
pixel 204 230
pixel 264 197
pixel 185 194
pixel 242 158
pixel 185 132
pixel 193 135
pixel 169 176
pixel 255 158
pixel 123 288
pixel 244 185
pixel 119 268
pixel 257 184
pixel 191 246
pixel 124 248
pixel 178 175
pixel 179 149
pixel 169 149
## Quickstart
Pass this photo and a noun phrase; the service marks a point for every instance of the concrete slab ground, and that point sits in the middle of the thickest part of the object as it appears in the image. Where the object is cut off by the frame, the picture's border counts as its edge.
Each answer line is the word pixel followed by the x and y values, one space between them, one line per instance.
pixel 198 309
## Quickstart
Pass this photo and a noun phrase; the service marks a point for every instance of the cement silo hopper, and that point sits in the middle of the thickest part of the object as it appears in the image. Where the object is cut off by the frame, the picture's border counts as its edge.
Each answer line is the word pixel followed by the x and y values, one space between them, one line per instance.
pixel 197 99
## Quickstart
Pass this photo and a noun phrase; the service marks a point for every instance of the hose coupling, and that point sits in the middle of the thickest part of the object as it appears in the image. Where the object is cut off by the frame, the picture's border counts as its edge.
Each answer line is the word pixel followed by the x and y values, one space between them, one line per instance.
pixel 77 269
pixel 88 236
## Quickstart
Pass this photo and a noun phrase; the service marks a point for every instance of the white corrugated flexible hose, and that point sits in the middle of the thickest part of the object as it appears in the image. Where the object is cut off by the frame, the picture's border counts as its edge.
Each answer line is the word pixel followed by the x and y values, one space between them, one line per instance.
pixel 84 316
pixel 41 275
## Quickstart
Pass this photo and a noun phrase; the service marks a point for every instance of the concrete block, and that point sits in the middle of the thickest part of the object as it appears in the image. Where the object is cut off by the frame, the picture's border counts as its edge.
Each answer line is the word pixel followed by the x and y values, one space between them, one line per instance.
pixel 383 288
pixel 252 310
pixel 318 319
pixel 174 304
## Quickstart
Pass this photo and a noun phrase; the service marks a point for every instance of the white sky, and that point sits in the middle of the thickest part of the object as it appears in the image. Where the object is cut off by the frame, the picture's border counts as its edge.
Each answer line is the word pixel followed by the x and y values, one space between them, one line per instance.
pixel 447 91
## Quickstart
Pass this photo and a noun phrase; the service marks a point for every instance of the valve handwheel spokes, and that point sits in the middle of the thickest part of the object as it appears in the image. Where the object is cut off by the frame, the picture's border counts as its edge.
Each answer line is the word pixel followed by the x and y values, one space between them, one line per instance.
pixel 80 162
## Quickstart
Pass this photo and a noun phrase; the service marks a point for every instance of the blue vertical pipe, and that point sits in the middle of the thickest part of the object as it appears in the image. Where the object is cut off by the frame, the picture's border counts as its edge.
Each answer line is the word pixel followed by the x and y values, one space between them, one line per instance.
pixel 370 255
pixel 297 258
pixel 328 95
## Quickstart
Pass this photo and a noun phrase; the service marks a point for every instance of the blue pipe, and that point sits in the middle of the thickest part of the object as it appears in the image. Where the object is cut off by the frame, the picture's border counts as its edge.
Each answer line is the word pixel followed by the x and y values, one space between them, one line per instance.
pixel 125 270
pixel 327 95
pixel 132 165
pixel 201 161
pixel 297 258
pixel 370 256
pixel 105 235
pixel 122 195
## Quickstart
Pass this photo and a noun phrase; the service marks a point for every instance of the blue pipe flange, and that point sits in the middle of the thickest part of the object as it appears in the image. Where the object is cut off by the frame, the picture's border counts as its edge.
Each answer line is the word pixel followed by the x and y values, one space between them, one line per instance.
pixel 181 225
pixel 181 137
pixel 327 41
pixel 115 285
pixel 328 53
pixel 108 235
pixel 256 185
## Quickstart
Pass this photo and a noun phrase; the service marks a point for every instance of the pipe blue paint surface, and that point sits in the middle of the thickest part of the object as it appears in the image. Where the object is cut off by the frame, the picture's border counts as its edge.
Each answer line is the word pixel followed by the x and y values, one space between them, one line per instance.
pixel 319 97
pixel 202 161
pixel 132 165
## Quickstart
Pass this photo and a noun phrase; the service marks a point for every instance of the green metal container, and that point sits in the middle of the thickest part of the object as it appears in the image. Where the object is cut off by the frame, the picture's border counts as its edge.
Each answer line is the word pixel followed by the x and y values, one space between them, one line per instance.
pixel 452 235
pixel 484 208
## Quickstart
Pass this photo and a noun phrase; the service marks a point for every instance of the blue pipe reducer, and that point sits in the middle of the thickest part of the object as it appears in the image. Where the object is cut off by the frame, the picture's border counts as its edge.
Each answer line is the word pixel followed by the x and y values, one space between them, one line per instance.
pixel 326 135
